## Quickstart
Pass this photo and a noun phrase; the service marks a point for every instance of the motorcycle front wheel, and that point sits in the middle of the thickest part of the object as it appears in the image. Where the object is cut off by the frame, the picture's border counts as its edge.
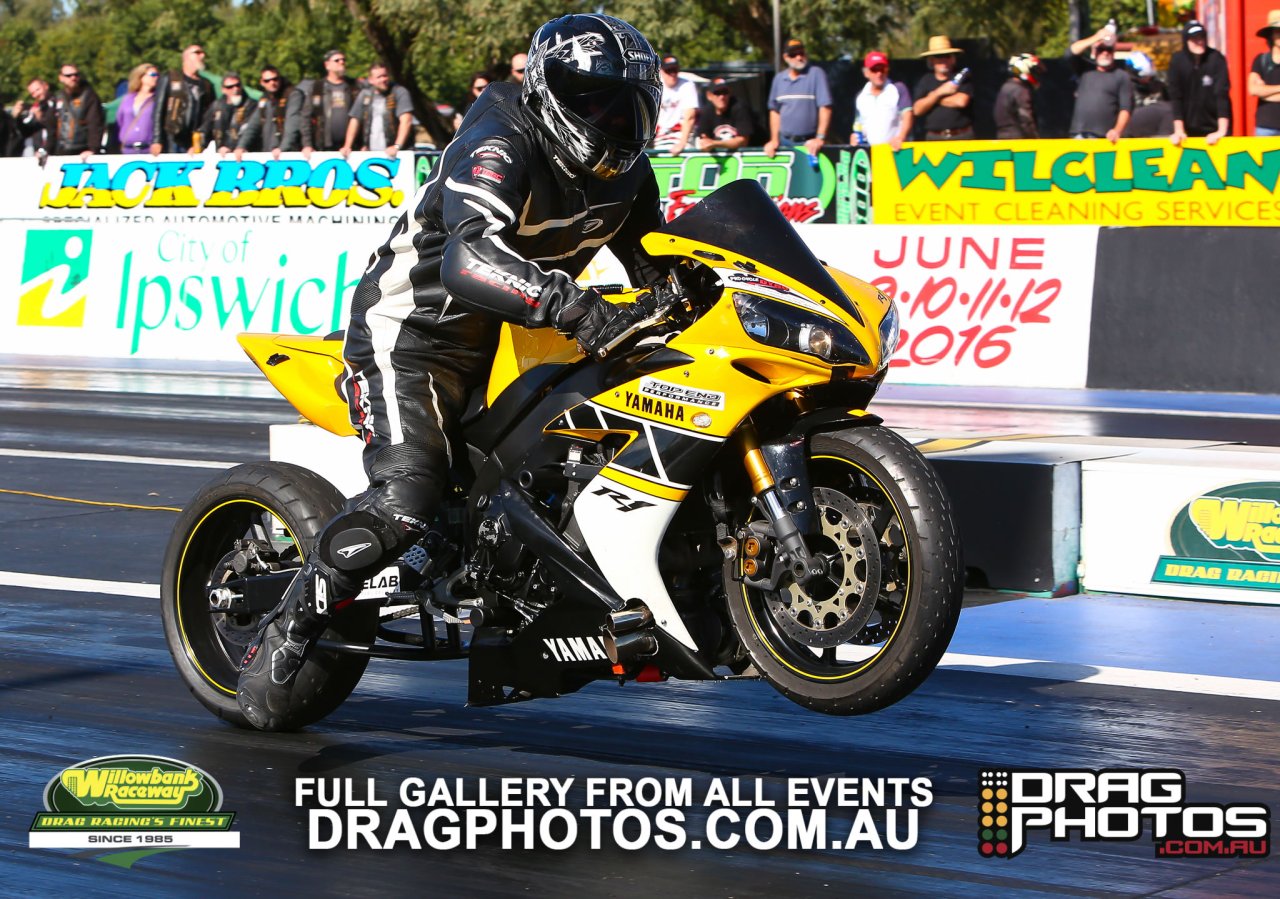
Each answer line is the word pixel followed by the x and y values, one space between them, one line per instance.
pixel 273 512
pixel 870 631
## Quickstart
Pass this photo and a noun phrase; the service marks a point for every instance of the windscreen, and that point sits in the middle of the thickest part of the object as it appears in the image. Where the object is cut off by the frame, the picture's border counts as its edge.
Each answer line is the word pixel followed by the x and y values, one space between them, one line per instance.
pixel 740 218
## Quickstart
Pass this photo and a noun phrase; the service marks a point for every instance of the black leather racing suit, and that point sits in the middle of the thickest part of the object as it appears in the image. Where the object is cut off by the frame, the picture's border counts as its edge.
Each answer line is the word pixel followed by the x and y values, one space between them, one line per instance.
pixel 497 233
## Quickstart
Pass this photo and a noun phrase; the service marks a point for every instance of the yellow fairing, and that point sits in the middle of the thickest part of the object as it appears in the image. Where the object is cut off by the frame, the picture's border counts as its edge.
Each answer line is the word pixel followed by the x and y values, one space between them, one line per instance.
pixel 305 371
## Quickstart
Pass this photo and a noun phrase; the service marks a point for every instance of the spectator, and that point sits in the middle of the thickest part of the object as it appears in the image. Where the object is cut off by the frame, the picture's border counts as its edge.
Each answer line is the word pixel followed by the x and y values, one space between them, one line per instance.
pixel 882 111
pixel 1199 88
pixel 517 67
pixel 182 99
pixel 1264 79
pixel 35 119
pixel 78 116
pixel 479 81
pixel 725 124
pixel 944 100
pixel 1152 111
pixel 1015 112
pixel 679 109
pixel 1104 96
pixel 329 101
pixel 382 118
pixel 225 120
pixel 10 136
pixel 135 116
pixel 799 104
pixel 275 125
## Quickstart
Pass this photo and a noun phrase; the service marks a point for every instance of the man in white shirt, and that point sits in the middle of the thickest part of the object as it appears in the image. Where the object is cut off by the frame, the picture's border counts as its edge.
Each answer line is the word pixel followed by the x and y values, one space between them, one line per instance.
pixel 883 113
pixel 679 109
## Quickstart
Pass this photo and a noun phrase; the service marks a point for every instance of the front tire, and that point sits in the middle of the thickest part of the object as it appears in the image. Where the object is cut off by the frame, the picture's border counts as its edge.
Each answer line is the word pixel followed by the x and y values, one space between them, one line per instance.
pixel 871 633
pixel 279 508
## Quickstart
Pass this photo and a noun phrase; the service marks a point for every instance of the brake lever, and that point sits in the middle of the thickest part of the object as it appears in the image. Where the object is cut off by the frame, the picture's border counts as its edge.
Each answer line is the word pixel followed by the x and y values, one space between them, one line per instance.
pixel 664 301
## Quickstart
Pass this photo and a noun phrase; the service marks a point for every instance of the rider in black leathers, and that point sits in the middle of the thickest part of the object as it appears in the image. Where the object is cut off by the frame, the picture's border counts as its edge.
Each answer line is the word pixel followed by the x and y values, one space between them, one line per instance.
pixel 538 178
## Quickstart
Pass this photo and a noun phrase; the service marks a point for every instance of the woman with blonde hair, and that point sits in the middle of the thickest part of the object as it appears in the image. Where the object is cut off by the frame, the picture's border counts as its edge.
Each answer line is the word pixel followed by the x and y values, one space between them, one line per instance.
pixel 134 114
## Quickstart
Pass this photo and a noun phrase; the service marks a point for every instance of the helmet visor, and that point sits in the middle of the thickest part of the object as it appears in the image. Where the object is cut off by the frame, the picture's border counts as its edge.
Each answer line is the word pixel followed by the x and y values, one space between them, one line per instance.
pixel 618 110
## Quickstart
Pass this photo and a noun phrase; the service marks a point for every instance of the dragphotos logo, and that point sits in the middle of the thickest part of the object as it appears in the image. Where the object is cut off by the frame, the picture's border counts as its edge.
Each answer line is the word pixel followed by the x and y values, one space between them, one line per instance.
pixel 1114 805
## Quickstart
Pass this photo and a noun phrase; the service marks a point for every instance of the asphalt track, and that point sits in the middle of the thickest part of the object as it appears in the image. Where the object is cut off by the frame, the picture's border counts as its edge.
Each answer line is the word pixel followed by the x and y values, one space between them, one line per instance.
pixel 84 672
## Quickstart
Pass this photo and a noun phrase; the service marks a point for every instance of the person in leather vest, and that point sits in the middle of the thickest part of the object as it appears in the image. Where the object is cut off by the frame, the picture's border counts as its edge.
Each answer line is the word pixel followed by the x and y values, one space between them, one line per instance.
pixel 541 177
pixel 227 117
pixel 183 97
pixel 329 101
pixel 78 116
pixel 276 122
pixel 382 117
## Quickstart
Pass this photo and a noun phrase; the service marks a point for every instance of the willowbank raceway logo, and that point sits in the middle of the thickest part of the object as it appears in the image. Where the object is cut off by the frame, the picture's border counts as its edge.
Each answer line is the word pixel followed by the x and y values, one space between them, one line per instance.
pixel 55 265
pixel 1114 805
pixel 1229 537
pixel 126 807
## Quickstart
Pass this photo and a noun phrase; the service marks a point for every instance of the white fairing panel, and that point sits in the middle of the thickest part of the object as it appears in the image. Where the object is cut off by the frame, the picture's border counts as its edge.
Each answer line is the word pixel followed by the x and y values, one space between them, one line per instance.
pixel 623 529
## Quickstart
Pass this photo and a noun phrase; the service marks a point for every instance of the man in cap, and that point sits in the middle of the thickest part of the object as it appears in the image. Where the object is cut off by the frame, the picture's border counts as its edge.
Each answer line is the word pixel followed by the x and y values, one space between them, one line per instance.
pixel 679 109
pixel 799 104
pixel 882 110
pixel 1104 97
pixel 1264 79
pixel 725 124
pixel 944 99
pixel 1199 88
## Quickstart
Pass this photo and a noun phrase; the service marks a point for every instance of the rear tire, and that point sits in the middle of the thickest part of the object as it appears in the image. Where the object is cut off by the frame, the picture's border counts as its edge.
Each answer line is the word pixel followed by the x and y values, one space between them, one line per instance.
pixel 272 502
pixel 832 648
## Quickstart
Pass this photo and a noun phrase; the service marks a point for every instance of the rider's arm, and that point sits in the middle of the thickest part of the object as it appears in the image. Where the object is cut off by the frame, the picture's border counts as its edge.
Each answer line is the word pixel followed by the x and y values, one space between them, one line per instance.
pixel 645 216
pixel 483 191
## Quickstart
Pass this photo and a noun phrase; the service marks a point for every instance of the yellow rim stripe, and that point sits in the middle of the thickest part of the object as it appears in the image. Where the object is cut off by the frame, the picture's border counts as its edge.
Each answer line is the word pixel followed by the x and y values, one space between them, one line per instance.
pixel 178 583
pixel 906 597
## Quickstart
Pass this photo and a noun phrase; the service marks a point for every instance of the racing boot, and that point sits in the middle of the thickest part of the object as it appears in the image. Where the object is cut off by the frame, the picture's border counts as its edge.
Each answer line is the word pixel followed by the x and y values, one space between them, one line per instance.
pixel 269 670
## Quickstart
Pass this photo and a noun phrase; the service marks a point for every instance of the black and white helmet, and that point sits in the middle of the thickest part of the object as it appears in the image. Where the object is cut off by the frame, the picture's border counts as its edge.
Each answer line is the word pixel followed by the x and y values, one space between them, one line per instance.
pixel 591 84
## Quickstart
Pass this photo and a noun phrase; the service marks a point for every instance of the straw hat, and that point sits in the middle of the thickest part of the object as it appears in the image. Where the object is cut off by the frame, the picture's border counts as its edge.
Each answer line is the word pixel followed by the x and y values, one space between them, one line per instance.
pixel 1273 21
pixel 940 45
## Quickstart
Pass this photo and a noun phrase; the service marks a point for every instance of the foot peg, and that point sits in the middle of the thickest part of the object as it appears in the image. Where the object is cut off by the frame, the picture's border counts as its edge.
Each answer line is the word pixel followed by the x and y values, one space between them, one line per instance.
pixel 628 634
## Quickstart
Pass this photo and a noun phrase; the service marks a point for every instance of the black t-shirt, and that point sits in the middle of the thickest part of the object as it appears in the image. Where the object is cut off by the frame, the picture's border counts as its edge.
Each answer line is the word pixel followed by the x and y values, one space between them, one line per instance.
pixel 944 118
pixel 1269 71
pixel 735 121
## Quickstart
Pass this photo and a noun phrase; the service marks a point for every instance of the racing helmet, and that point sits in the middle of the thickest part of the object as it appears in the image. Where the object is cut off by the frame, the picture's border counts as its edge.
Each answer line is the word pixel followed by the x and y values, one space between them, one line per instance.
pixel 1027 67
pixel 591 85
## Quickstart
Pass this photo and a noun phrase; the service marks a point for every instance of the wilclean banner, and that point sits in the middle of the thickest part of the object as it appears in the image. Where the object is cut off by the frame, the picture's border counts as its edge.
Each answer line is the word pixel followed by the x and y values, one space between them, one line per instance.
pixel 325 188
pixel 1078 182
pixel 175 291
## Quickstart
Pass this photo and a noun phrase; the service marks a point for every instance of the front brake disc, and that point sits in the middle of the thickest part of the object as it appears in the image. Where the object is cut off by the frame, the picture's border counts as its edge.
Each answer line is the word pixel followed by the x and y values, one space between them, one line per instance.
pixel 831 610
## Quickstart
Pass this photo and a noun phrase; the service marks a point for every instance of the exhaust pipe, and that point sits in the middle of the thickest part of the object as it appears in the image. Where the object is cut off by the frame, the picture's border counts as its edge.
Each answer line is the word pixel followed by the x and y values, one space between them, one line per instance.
pixel 628 634
pixel 629 619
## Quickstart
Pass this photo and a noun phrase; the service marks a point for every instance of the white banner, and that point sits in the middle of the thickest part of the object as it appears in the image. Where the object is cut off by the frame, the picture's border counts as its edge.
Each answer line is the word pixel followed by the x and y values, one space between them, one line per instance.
pixel 141 839
pixel 993 305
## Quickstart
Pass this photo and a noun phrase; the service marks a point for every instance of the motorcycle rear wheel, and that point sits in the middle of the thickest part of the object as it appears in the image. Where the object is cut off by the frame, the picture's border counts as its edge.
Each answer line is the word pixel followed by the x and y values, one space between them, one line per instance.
pixel 869 635
pixel 277 506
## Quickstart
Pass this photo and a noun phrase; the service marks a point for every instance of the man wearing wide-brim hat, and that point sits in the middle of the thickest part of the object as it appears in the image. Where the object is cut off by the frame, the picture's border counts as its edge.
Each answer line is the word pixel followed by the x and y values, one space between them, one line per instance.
pixel 1264 79
pixel 944 107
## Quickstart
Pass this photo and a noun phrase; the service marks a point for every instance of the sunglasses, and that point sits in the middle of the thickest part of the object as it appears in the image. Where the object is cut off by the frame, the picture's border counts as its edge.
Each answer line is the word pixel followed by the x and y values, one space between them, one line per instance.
pixel 272 80
pixel 198 52
pixel 518 71
pixel 152 74
pixel 880 69
pixel 477 88
pixel 69 74
pixel 338 59
pixel 231 87
pixel 720 92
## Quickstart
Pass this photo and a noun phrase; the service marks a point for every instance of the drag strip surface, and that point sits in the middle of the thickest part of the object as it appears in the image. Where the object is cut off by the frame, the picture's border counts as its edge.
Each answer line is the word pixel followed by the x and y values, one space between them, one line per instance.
pixel 85 674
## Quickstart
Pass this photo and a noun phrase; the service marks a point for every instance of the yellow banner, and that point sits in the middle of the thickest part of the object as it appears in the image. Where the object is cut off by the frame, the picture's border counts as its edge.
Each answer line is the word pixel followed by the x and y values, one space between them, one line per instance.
pixel 1078 182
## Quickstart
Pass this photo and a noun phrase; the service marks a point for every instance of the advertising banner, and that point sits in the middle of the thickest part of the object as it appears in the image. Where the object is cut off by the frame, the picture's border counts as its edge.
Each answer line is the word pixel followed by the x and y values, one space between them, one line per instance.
pixel 832 187
pixel 1199 524
pixel 182 189
pixel 993 306
pixel 175 291
pixel 1082 182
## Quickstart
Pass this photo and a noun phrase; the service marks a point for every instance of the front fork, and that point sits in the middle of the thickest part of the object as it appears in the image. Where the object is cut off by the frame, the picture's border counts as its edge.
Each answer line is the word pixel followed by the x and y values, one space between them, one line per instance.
pixel 780 488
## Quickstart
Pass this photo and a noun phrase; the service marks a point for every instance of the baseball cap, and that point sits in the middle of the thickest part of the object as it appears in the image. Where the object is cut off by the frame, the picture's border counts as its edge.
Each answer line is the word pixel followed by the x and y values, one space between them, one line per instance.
pixel 875 58
pixel 718 86
pixel 1192 29
pixel 793 48
pixel 670 63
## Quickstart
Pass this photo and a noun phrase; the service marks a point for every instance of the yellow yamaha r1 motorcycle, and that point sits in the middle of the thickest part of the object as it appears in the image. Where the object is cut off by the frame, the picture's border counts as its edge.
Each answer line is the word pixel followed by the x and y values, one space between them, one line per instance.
pixel 710 501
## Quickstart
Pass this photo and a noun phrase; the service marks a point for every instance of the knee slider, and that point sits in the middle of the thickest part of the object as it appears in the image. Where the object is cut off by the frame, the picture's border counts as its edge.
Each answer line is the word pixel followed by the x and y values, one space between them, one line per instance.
pixel 356 541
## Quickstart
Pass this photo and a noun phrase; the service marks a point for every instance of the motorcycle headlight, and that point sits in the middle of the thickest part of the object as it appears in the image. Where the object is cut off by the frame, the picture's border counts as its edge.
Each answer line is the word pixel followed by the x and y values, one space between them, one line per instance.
pixel 890 331
pixel 786 327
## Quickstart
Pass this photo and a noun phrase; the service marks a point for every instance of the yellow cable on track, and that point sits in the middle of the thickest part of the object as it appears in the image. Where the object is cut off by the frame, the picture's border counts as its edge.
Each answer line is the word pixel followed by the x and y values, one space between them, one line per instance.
pixel 89 502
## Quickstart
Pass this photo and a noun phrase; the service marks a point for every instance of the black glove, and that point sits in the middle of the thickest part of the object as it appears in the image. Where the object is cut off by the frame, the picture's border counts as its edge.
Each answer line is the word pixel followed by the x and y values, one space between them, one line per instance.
pixel 596 323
